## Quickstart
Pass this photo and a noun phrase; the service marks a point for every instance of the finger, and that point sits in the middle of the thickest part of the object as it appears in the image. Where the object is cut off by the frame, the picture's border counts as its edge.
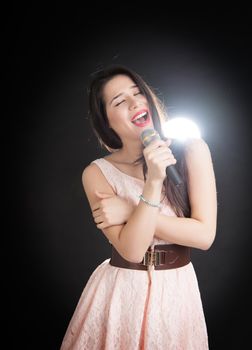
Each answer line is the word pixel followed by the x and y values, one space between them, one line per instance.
pixel 154 144
pixel 164 156
pixel 161 150
pixel 97 213
pixel 169 161
pixel 96 206
pixel 103 195
pixel 168 142
pixel 168 156
pixel 102 225
pixel 98 219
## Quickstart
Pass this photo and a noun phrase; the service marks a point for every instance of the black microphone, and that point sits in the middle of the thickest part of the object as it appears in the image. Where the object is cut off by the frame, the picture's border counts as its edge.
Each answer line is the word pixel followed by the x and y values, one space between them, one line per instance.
pixel 150 135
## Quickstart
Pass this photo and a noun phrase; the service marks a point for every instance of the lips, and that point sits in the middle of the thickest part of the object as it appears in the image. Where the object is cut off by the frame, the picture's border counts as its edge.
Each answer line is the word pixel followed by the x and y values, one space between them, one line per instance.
pixel 141 118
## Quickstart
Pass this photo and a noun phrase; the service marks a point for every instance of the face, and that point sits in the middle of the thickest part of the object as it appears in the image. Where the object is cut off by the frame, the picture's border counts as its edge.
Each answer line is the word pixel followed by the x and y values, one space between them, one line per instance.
pixel 127 108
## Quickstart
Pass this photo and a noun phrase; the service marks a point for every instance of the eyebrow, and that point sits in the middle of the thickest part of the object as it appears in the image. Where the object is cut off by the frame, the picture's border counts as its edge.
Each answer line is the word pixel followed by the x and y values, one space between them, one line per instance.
pixel 115 97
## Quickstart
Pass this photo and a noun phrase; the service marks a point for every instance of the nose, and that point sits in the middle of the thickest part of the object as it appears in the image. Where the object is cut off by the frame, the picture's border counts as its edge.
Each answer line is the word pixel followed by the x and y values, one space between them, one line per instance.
pixel 134 103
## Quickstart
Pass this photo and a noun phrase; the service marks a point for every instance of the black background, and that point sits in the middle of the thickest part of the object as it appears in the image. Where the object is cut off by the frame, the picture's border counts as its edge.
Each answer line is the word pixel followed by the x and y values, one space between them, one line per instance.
pixel 200 63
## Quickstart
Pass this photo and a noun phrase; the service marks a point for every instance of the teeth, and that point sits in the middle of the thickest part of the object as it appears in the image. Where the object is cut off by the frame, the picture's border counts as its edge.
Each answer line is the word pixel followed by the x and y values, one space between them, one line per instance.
pixel 140 116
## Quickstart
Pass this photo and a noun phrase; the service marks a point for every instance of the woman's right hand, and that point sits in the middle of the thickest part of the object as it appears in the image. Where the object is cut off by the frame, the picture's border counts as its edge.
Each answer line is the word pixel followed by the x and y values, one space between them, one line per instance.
pixel 158 157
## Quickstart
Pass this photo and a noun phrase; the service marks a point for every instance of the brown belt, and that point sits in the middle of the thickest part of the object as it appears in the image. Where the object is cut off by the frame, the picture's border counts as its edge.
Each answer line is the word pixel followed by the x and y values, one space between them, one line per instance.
pixel 164 256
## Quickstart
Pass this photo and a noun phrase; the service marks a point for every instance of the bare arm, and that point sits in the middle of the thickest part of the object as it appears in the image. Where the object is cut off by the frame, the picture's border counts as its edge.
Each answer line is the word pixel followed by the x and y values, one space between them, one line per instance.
pixel 197 231
pixel 133 239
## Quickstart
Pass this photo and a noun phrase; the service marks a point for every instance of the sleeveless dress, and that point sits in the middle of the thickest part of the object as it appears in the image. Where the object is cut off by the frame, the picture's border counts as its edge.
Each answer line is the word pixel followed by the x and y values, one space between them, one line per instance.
pixel 125 309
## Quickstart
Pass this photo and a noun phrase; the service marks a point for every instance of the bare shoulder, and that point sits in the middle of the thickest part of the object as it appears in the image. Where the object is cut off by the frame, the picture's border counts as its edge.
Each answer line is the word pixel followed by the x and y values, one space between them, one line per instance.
pixel 90 171
pixel 196 145
pixel 197 150
pixel 91 174
pixel 94 180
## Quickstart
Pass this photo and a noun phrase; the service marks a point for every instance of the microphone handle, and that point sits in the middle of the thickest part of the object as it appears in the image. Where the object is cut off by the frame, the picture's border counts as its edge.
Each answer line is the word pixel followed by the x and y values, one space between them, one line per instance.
pixel 172 173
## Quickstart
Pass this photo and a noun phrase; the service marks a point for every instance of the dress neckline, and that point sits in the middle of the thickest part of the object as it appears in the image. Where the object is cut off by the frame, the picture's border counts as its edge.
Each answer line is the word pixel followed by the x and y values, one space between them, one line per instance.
pixel 121 172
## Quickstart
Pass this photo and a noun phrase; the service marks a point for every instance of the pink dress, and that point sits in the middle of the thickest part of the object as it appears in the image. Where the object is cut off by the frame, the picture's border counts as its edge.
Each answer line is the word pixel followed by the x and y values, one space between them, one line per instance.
pixel 124 309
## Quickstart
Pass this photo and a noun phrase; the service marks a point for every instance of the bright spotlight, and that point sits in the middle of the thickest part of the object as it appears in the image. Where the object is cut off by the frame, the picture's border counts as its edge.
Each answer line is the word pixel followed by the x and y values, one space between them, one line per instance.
pixel 181 128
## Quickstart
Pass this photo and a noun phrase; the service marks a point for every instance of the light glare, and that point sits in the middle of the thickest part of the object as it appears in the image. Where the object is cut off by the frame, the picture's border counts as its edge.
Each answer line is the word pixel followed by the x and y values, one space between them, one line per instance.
pixel 181 128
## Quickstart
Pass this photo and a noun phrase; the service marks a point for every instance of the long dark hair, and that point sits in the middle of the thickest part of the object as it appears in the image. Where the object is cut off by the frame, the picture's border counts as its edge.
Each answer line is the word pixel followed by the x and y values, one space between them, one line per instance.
pixel 177 196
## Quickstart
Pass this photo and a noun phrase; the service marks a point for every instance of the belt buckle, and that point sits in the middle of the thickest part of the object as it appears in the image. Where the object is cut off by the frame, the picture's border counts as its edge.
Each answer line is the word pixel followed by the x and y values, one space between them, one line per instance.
pixel 152 258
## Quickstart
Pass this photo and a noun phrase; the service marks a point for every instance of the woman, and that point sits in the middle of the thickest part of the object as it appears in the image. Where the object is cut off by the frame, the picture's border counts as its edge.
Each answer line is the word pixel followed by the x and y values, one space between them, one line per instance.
pixel 146 296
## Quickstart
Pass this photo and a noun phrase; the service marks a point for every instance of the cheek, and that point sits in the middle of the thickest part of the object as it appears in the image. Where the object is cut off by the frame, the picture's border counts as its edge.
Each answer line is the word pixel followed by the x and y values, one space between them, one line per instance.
pixel 115 117
pixel 112 118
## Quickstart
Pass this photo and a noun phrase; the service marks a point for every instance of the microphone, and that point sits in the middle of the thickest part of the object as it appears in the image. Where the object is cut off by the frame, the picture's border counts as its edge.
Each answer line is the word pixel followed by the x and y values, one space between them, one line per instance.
pixel 150 135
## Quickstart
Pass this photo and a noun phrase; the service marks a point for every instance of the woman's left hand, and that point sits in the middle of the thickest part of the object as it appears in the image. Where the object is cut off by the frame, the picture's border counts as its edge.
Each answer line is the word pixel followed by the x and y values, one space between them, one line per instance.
pixel 110 210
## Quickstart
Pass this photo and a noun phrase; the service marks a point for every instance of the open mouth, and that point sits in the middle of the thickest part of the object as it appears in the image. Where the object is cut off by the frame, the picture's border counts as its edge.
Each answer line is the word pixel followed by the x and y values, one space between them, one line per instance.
pixel 141 119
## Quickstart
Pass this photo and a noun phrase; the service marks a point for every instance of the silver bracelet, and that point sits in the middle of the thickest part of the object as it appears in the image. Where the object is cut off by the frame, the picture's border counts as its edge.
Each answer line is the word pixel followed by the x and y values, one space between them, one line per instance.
pixel 149 203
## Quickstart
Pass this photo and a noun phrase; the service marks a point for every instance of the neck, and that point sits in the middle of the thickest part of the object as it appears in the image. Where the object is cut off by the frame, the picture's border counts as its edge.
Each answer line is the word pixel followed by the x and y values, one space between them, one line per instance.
pixel 130 153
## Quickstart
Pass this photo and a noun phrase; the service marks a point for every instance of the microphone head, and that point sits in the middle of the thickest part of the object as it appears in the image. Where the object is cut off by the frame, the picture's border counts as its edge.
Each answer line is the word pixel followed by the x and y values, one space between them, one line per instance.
pixel 149 135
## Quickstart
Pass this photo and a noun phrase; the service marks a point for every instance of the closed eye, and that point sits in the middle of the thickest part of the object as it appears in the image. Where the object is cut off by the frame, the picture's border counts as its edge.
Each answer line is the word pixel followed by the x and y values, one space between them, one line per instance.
pixel 119 103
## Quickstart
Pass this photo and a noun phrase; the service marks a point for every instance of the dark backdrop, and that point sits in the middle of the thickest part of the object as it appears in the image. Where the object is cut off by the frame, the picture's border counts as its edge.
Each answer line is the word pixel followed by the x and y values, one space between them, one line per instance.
pixel 201 66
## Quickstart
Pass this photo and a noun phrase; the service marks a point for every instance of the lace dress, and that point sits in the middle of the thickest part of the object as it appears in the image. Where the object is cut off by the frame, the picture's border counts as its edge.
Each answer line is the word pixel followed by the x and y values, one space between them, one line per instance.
pixel 123 309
